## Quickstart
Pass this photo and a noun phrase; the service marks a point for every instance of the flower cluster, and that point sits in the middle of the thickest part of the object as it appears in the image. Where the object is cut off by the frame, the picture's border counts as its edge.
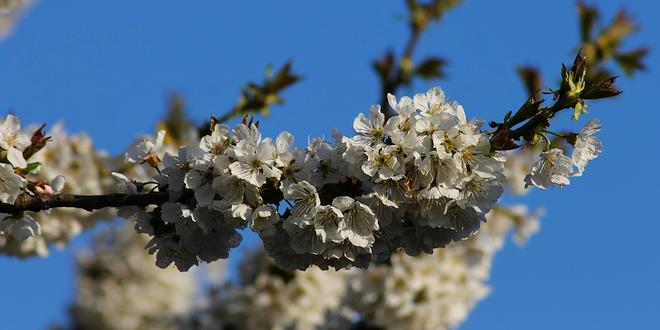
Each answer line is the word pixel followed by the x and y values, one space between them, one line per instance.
pixel 435 291
pixel 13 167
pixel 417 181
pixel 119 288
pixel 269 298
pixel 42 174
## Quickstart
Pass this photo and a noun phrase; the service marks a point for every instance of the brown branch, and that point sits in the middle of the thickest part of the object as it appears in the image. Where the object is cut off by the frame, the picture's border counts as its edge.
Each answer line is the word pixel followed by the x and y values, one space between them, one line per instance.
pixel 27 202
pixel 270 194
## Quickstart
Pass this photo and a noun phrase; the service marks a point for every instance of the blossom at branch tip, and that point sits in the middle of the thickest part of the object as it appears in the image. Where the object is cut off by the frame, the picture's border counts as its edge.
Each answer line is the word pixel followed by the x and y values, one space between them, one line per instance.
pixel 587 146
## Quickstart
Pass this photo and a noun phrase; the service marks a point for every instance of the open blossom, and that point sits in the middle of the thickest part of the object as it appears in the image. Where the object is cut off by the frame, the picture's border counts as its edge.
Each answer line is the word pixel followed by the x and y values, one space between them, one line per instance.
pixel 587 147
pixel 217 142
pixel 255 164
pixel 552 168
pixel 11 184
pixel 284 149
pixel 405 107
pixel 359 221
pixel 177 166
pixel 200 179
pixel 329 224
pixel 306 200
pixel 479 191
pixel 249 133
pixel 430 102
pixel 382 163
pixel 370 129
pixel 13 141
pixel 123 184
pixel 147 151
pixel 263 218
pixel 19 227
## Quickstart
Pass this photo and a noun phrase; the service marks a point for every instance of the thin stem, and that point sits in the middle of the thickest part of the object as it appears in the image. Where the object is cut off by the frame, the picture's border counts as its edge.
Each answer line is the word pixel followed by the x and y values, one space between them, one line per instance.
pixel 393 81
pixel 555 134
pixel 547 142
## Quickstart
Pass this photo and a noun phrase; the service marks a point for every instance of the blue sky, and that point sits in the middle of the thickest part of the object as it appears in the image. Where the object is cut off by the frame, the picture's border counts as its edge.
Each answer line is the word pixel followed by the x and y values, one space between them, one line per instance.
pixel 106 67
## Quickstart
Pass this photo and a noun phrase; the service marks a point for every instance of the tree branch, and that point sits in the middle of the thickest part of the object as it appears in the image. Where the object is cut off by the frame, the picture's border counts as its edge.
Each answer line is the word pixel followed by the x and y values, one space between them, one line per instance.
pixel 27 202
pixel 270 193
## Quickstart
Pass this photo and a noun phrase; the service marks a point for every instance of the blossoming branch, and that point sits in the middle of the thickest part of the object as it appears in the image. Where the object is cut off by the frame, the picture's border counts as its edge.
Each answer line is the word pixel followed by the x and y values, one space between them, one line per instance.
pixel 415 182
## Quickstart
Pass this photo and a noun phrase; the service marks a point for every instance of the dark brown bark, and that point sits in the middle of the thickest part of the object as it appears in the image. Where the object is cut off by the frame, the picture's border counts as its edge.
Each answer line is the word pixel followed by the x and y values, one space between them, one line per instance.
pixel 93 202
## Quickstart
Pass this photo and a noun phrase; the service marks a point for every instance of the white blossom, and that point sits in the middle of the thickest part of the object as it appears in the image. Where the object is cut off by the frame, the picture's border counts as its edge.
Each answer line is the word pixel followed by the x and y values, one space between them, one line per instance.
pixel 304 238
pixel 359 221
pixel 329 224
pixel 148 150
pixel 284 149
pixel 479 191
pixel 11 184
pixel 306 200
pixel 177 166
pixel 382 163
pixel 123 184
pixel 255 164
pixel 370 130
pixel 217 142
pixel 405 107
pixel 20 227
pixel 417 182
pixel 552 168
pixel 431 102
pixel 587 147
pixel 13 141
pixel 263 218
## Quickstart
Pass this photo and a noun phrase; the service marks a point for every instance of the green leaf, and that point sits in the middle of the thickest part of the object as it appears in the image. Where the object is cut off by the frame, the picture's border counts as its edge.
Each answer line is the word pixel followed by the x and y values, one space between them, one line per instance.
pixel 579 109
pixel 257 98
pixel 531 78
pixel 631 61
pixel 31 167
pixel 602 89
